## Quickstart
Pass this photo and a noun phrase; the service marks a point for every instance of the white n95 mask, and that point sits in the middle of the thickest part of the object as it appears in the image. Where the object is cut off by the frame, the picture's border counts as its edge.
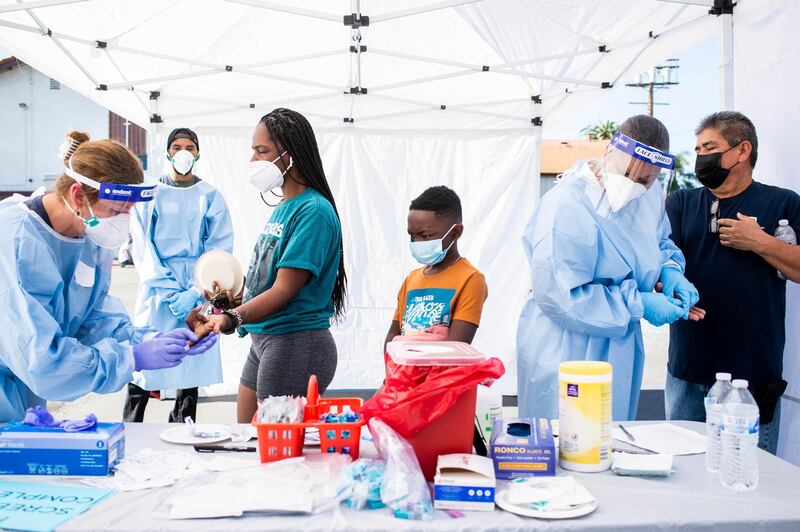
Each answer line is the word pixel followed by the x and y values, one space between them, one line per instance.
pixel 265 175
pixel 620 190
pixel 182 162
pixel 110 232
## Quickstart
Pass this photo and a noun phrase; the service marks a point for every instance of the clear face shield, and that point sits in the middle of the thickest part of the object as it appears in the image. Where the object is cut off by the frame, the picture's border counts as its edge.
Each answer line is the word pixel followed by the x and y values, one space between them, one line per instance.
pixel 114 197
pixel 630 168
pixel 108 221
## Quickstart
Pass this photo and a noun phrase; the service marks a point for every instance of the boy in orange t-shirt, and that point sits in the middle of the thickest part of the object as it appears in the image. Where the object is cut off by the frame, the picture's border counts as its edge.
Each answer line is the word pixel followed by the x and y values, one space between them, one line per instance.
pixel 447 292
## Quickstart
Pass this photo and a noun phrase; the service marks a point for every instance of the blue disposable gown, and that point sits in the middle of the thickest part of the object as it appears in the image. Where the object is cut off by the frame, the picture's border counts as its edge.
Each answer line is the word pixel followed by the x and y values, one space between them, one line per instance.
pixel 169 235
pixel 63 335
pixel 588 267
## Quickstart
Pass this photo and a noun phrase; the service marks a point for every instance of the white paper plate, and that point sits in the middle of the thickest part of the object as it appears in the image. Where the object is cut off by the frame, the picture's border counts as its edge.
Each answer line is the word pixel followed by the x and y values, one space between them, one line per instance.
pixel 502 502
pixel 182 434
pixel 220 267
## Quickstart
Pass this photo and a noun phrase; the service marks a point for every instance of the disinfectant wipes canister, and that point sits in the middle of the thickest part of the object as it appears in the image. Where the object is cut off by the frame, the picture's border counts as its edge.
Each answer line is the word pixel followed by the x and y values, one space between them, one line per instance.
pixel 584 415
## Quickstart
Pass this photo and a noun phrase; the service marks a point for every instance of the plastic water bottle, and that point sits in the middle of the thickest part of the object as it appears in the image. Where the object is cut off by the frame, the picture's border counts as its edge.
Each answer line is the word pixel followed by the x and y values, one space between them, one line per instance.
pixel 785 233
pixel 713 404
pixel 739 466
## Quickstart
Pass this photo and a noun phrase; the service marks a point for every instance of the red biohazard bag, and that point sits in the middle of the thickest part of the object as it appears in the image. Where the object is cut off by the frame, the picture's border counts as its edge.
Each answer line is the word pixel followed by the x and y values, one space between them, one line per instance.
pixel 414 396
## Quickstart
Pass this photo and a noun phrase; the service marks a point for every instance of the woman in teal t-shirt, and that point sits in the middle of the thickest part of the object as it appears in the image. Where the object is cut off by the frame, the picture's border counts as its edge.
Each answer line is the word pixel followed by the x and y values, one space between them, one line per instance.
pixel 296 281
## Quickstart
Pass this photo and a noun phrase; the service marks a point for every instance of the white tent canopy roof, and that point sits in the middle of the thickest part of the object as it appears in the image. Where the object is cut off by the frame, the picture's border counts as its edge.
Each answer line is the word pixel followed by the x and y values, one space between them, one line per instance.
pixel 427 64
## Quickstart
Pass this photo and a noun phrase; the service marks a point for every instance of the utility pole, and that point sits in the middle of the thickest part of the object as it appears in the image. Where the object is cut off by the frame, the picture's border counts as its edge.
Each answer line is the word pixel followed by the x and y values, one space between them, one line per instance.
pixel 660 77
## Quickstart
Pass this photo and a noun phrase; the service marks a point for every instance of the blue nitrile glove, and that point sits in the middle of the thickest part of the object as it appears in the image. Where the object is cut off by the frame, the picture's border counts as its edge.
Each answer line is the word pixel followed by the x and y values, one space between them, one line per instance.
pixel 677 286
pixel 182 303
pixel 179 334
pixel 203 345
pixel 77 425
pixel 159 353
pixel 40 417
pixel 660 309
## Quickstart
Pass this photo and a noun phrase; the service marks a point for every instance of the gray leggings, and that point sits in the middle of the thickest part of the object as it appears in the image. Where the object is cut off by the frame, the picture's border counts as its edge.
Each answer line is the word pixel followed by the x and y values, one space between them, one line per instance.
pixel 280 364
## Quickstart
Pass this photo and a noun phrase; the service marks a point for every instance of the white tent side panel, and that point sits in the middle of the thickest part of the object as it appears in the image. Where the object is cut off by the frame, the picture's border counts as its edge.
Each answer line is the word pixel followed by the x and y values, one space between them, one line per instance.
pixel 374 176
pixel 766 71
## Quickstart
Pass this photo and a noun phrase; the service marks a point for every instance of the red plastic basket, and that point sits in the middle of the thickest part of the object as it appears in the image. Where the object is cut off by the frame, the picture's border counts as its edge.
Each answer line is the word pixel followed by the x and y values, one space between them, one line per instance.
pixel 344 438
pixel 277 441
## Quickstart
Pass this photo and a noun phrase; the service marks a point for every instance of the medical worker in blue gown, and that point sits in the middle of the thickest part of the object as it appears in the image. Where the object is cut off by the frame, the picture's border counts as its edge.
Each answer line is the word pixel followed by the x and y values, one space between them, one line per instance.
pixel 187 218
pixel 597 245
pixel 63 335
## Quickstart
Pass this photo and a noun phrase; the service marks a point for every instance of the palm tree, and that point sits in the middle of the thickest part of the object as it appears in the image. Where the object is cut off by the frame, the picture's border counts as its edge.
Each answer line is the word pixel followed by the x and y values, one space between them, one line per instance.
pixel 600 130
pixel 681 177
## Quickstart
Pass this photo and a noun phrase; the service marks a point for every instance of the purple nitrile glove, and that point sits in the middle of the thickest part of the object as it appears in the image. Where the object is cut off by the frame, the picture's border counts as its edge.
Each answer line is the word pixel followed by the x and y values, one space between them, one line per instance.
pixel 159 353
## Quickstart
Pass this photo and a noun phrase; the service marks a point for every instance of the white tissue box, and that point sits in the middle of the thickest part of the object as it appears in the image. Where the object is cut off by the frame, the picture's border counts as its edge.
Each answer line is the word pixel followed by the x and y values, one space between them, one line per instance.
pixel 464 482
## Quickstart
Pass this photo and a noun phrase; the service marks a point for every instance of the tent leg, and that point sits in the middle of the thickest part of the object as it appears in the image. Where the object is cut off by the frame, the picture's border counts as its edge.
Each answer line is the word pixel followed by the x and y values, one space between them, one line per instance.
pixel 153 158
pixel 726 61
pixel 537 140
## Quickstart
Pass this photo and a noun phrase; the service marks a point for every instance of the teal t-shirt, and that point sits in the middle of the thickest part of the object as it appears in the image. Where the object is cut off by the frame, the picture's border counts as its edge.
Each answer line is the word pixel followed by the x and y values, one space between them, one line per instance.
pixel 304 233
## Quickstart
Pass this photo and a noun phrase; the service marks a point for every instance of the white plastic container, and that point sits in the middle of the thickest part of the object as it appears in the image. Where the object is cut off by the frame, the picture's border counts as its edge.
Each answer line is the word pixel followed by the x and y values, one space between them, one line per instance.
pixel 433 353
pixel 584 416
pixel 713 404
pixel 738 469
pixel 488 407
pixel 786 234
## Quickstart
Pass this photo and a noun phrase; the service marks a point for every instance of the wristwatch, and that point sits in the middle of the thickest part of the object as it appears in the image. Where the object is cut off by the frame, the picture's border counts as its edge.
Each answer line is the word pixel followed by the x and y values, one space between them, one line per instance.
pixel 236 319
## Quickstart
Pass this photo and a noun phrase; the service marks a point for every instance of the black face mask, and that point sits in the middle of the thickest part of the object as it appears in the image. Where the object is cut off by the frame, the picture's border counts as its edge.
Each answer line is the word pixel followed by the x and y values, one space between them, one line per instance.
pixel 708 169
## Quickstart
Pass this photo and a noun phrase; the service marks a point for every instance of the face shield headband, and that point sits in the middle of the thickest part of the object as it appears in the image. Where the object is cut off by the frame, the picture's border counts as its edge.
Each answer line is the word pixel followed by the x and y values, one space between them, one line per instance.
pixel 114 191
pixel 643 152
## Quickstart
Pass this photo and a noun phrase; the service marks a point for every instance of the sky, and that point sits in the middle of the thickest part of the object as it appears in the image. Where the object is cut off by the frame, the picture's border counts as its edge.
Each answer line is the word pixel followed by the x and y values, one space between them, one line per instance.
pixel 696 96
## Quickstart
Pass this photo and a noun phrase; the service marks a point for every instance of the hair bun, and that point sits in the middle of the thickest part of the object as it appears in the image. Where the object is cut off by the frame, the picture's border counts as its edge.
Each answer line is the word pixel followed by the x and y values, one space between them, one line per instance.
pixel 71 143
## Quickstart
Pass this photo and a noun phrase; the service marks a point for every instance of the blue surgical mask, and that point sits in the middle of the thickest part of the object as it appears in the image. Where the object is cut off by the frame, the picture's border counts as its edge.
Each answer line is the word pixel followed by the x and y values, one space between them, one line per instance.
pixel 430 252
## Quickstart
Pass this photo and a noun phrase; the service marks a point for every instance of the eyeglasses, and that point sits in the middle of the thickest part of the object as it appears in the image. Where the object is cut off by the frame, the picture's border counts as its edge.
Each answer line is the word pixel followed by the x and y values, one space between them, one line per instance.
pixel 713 226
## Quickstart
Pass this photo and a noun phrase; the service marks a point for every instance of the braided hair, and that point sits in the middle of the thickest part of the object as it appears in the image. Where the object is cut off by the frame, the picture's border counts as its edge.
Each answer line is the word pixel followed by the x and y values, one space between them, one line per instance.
pixel 291 132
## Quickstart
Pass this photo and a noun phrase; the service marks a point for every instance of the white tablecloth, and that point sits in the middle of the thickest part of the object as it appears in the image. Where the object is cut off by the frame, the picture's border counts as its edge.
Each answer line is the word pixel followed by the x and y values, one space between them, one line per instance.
pixel 690 499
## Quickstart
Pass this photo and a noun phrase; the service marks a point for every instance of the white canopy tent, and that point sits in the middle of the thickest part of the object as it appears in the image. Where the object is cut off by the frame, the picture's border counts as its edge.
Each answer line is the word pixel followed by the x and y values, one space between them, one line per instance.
pixel 403 94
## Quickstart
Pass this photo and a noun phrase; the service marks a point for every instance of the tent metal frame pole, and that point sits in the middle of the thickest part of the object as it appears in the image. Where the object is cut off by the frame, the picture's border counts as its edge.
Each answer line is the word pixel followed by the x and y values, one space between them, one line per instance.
pixel 544 77
pixel 484 68
pixel 130 85
pixel 274 62
pixel 62 47
pixel 568 92
pixel 356 47
pixel 116 66
pixel 419 10
pixel 536 112
pixel 166 57
pixel 223 70
pixel 726 62
pixel 46 32
pixel 419 81
pixel 36 4
pixel 423 59
pixel 703 3
pixel 228 106
pixel 427 106
pixel 649 43
pixel 524 62
pixel 318 85
pixel 152 135
pixel 272 6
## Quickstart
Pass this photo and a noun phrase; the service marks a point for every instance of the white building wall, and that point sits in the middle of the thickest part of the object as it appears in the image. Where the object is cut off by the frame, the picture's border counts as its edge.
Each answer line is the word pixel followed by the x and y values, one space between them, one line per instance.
pixel 30 135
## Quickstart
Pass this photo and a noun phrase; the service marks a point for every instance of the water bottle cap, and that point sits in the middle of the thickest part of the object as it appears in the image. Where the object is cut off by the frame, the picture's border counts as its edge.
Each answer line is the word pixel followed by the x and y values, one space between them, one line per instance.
pixel 783 223
pixel 723 376
pixel 739 383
